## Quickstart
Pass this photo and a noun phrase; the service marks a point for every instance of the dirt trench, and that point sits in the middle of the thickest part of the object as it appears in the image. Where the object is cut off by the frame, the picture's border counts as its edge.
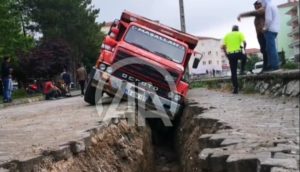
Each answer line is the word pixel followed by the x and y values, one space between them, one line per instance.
pixel 119 147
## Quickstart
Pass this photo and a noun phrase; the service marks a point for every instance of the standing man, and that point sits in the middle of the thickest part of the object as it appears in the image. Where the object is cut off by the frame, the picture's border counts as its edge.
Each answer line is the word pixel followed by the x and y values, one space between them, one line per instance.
pixel 6 70
pixel 233 50
pixel 81 76
pixel 271 29
pixel 259 22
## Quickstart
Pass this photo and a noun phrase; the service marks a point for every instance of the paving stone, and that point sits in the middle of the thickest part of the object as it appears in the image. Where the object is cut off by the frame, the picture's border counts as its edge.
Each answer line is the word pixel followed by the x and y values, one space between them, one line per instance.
pixel 276 169
pixel 242 163
pixel 231 141
pixel 3 170
pixel 267 164
pixel 280 155
pixel 263 127
pixel 218 163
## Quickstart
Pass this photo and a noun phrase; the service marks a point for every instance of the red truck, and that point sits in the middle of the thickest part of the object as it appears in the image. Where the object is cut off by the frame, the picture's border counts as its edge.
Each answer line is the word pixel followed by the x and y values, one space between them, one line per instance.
pixel 145 60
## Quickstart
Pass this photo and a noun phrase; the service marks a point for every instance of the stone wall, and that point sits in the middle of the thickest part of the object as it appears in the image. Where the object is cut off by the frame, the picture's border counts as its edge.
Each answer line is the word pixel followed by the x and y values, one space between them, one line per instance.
pixel 282 83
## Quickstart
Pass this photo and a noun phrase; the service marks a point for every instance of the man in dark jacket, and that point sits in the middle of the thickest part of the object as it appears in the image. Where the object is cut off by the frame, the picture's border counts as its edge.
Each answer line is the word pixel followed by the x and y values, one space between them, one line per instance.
pixel 259 22
pixel 6 71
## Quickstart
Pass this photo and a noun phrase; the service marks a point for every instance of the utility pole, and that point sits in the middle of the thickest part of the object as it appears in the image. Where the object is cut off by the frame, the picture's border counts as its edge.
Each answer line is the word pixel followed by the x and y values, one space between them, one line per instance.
pixel 182 20
pixel 182 24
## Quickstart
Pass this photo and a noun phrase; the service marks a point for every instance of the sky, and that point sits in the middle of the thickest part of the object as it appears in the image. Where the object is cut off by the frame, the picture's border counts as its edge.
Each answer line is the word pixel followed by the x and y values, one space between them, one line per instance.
pixel 202 17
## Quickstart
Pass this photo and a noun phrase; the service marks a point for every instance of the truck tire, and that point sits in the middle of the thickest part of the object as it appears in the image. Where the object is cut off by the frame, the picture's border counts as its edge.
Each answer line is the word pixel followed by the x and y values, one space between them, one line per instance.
pixel 90 92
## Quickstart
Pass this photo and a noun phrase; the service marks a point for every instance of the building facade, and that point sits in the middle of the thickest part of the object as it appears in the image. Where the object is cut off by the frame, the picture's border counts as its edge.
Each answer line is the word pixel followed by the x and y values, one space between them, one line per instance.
pixel 289 19
pixel 294 34
pixel 105 27
pixel 213 60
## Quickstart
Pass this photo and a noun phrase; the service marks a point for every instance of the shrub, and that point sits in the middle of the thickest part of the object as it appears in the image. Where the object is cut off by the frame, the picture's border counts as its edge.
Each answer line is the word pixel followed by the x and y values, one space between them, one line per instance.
pixel 290 65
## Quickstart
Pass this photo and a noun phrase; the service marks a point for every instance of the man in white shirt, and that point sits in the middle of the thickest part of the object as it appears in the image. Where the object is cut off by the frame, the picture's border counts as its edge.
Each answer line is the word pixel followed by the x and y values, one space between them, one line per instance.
pixel 271 29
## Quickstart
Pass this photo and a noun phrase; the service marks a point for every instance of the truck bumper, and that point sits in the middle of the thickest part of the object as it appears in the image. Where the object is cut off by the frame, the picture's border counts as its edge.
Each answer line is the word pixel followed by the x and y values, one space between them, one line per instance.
pixel 121 88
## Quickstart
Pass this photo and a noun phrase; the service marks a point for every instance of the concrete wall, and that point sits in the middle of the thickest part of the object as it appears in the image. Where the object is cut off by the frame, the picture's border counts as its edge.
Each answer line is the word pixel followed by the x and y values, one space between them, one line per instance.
pixel 276 84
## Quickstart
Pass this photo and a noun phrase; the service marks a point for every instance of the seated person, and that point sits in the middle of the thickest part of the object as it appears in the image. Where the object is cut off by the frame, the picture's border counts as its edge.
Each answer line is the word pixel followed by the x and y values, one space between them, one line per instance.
pixel 62 87
pixel 50 90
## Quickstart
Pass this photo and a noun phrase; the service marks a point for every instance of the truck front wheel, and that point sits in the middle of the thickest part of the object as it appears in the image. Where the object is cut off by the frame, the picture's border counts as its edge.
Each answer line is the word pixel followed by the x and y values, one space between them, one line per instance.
pixel 90 92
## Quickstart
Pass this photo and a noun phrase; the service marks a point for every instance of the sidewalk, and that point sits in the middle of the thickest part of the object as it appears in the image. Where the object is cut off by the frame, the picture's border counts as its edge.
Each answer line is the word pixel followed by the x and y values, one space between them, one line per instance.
pixel 32 99
pixel 259 130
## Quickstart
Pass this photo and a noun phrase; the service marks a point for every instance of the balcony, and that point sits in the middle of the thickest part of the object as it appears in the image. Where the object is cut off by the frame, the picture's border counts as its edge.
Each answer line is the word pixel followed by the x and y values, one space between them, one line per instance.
pixel 295 44
pixel 294 19
pixel 294 32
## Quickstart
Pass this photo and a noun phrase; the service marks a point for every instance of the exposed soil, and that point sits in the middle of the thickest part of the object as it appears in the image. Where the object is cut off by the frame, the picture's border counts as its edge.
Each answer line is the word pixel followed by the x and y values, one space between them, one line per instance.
pixel 120 148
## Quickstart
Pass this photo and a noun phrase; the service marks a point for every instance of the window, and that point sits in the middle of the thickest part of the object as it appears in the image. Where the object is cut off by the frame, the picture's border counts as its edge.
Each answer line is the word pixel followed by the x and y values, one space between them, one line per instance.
pixel 154 43
pixel 209 62
pixel 204 62
pixel 218 62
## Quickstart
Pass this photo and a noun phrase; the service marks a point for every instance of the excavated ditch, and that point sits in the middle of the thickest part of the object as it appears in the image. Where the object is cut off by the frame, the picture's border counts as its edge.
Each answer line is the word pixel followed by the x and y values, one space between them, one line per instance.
pixel 118 147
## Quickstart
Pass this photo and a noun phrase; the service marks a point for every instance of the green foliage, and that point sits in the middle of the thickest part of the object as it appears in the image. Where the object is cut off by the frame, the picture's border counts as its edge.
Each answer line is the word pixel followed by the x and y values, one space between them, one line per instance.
pixel 20 93
pixel 290 65
pixel 198 84
pixel 12 41
pixel 70 20
pixel 282 57
pixel 46 60
pixel 247 87
pixel 251 61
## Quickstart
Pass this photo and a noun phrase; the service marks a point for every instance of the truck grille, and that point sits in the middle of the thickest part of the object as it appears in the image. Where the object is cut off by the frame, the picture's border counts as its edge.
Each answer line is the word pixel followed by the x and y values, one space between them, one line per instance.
pixel 143 72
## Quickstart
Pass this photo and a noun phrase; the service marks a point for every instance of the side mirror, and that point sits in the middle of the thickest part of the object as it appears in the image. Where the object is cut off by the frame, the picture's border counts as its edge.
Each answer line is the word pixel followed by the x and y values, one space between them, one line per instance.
pixel 196 63
pixel 197 60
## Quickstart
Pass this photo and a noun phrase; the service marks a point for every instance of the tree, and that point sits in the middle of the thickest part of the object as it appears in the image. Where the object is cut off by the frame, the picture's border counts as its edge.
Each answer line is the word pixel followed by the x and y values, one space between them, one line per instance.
pixel 46 60
pixel 12 40
pixel 70 20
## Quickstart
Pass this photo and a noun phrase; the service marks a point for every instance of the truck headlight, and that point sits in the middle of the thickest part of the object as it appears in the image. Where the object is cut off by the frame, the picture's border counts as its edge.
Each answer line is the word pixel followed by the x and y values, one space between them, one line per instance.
pixel 171 95
pixel 177 97
pixel 109 70
pixel 102 67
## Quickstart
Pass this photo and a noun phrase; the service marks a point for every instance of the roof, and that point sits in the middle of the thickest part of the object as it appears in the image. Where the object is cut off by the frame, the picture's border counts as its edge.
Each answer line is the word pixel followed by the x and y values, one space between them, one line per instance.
pixel 288 4
pixel 252 50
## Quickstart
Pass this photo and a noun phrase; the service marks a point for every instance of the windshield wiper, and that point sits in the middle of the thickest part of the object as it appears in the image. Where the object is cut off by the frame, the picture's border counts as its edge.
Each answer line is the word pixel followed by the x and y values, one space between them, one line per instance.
pixel 163 55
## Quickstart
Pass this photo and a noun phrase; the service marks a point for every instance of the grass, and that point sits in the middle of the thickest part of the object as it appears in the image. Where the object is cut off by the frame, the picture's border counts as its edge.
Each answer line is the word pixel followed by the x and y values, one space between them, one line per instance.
pixel 246 87
pixel 249 88
pixel 199 84
pixel 19 94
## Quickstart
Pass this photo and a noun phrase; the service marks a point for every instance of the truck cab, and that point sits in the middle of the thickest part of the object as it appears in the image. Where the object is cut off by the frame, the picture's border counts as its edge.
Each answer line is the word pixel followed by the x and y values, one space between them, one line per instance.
pixel 145 60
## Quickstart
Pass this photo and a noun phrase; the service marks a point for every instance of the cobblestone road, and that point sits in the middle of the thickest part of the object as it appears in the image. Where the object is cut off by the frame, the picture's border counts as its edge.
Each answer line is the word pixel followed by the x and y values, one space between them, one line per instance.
pixel 262 128
pixel 28 130
pixel 266 117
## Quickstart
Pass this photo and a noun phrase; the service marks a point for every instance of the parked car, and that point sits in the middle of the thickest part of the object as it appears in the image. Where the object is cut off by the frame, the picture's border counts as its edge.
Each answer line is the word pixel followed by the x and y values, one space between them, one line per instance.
pixel 258 66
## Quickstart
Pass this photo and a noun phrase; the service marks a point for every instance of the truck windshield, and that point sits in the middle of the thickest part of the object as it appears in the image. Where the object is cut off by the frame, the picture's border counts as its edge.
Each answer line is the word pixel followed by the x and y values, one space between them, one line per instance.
pixel 155 43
